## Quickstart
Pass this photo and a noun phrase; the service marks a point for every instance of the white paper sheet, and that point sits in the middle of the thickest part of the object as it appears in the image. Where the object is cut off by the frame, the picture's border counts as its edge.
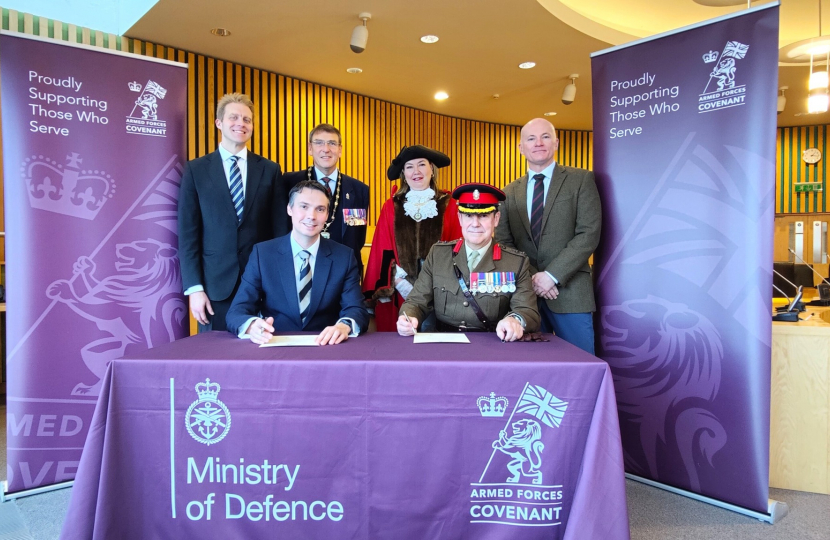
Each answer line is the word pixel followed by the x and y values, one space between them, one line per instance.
pixel 292 341
pixel 441 337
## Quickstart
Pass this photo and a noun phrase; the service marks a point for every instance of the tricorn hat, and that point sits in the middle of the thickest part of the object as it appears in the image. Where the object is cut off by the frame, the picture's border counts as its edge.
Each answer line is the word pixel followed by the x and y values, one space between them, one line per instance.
pixel 477 198
pixel 407 153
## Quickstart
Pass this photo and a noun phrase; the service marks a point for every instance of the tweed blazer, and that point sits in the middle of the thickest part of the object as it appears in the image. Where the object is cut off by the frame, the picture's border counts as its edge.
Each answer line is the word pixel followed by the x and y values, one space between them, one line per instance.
pixel 570 233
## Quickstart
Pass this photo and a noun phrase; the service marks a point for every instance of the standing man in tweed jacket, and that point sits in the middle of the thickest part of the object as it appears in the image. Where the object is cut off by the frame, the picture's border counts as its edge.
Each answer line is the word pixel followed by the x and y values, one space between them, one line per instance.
pixel 553 214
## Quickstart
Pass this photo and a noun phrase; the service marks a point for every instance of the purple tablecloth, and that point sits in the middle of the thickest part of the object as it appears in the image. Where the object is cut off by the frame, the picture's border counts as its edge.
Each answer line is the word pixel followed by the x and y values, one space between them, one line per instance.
pixel 374 438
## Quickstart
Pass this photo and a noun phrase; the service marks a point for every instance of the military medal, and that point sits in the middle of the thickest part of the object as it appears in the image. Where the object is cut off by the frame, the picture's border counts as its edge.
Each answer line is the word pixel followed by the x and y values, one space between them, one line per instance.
pixel 474 282
pixel 511 277
pixel 325 234
pixel 354 216
pixel 482 284
pixel 490 287
pixel 497 279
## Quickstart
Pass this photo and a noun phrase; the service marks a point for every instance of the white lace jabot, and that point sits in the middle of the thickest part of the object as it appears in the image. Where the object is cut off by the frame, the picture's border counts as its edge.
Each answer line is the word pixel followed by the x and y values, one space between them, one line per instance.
pixel 420 205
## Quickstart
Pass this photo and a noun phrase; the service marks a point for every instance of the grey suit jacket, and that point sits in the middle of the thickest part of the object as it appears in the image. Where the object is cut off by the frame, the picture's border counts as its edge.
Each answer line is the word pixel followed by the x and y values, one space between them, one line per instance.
pixel 570 234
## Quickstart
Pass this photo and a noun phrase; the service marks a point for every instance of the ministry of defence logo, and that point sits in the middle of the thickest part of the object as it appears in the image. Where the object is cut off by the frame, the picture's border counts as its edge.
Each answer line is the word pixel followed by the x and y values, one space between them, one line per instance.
pixel 725 93
pixel 511 490
pixel 143 119
pixel 207 419
pixel 66 189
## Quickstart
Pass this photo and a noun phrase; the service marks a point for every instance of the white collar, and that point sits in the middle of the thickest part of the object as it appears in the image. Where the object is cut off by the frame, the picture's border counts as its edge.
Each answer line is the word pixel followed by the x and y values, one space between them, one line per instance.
pixel 319 174
pixel 547 171
pixel 242 154
pixel 296 248
pixel 420 196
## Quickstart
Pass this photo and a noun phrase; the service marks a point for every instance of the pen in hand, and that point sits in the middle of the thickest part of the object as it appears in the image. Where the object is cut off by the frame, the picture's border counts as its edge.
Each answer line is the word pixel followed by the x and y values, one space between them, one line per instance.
pixel 414 330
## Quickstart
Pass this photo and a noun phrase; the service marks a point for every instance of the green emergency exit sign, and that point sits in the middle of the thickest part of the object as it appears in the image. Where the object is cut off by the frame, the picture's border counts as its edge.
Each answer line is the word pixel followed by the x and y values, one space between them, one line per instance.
pixel 803 187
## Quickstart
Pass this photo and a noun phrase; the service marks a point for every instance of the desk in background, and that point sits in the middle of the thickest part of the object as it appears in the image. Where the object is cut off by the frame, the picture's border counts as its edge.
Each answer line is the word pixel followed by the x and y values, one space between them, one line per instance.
pixel 373 438
pixel 800 403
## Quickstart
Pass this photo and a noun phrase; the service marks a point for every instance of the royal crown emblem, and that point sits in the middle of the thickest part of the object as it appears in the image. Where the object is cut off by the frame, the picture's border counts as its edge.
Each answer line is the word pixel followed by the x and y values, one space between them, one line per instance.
pixel 68 190
pixel 135 86
pixel 208 420
pixel 711 56
pixel 492 406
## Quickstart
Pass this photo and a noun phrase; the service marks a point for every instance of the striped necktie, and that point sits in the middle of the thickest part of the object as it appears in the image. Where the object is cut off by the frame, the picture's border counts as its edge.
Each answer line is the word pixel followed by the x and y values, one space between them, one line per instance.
pixel 237 193
pixel 326 181
pixel 304 285
pixel 537 209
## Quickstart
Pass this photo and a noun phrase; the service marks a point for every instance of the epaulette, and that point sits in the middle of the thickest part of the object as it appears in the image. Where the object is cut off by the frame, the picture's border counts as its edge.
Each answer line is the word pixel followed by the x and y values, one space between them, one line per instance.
pixel 512 251
pixel 446 243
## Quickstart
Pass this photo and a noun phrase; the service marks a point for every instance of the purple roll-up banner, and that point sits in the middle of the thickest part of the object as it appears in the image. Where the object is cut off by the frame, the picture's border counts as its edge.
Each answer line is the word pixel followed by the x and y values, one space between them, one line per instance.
pixel 93 150
pixel 684 150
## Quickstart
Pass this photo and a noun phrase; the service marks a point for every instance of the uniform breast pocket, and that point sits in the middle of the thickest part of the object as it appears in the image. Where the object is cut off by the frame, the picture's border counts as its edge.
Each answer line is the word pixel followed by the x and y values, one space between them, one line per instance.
pixel 494 305
pixel 439 299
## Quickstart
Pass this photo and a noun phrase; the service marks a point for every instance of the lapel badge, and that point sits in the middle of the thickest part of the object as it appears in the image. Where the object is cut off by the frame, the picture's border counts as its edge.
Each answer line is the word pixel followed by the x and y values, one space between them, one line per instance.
pixel 347 196
pixel 476 195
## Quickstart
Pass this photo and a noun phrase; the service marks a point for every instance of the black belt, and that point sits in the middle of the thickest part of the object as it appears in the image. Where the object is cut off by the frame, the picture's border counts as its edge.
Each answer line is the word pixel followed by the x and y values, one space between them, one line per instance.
pixel 444 327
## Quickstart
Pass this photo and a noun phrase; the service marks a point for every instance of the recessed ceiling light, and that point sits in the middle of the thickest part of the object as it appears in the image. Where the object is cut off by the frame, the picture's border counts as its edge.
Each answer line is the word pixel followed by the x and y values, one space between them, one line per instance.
pixel 440 96
pixel 220 32
pixel 550 113
pixel 429 38
pixel 354 70
pixel 527 65
pixel 495 96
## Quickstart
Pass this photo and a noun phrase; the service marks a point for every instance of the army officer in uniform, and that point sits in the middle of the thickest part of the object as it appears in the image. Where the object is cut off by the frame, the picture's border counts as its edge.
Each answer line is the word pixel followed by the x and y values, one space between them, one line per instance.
pixel 499 297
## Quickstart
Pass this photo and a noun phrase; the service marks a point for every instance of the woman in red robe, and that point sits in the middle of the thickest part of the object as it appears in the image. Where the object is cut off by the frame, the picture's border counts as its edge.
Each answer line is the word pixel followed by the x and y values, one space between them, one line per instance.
pixel 410 222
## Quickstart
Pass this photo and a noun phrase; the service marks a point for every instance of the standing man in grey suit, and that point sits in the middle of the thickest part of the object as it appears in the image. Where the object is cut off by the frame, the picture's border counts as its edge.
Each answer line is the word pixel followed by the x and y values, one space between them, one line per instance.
pixel 553 214
pixel 349 207
pixel 229 200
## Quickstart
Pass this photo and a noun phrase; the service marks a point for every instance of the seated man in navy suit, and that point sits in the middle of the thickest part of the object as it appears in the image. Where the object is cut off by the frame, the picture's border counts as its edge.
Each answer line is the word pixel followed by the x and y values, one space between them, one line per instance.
pixel 300 282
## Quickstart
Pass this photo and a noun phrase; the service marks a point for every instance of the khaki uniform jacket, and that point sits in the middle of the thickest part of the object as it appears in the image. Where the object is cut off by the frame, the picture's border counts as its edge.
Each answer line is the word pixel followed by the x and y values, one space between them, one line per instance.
pixel 437 288
pixel 570 234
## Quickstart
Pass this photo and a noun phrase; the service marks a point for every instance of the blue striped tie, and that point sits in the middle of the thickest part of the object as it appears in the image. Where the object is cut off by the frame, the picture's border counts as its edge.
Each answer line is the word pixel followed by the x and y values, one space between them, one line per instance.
pixel 237 193
pixel 304 285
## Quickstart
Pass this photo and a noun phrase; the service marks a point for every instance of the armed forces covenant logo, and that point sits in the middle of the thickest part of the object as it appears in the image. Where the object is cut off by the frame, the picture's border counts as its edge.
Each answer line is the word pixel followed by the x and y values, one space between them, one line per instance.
pixel 208 420
pixel 512 488
pixel 724 93
pixel 143 119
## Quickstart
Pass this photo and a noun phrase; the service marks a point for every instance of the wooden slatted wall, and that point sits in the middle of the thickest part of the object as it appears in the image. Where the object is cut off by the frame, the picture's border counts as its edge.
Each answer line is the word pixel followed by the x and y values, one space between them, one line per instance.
pixel 287 108
pixel 791 170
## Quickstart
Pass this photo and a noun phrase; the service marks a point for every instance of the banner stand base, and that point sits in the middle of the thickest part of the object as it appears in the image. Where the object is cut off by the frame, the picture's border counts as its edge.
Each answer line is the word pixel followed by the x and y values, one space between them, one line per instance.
pixel 27 492
pixel 776 510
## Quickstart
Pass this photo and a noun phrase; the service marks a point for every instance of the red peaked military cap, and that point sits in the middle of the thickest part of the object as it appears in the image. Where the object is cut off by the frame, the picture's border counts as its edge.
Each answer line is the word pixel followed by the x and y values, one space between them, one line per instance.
pixel 477 198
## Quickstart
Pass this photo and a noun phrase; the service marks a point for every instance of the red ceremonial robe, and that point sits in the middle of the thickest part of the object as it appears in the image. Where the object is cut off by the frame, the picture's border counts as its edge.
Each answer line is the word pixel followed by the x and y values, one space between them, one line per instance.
pixel 406 249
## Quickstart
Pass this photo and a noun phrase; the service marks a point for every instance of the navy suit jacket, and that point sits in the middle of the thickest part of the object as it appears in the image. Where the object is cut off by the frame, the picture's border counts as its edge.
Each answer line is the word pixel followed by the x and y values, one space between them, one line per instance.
pixel 213 246
pixel 353 194
pixel 269 287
